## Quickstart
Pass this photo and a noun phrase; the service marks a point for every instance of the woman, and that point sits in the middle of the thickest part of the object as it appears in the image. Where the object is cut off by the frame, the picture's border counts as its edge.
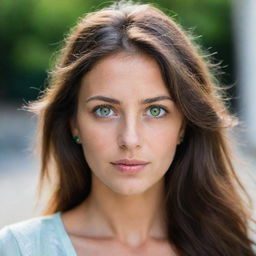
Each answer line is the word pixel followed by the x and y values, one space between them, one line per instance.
pixel 134 139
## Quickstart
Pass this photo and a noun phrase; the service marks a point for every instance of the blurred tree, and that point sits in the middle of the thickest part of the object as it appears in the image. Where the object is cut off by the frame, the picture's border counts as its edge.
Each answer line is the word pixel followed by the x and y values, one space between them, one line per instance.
pixel 31 31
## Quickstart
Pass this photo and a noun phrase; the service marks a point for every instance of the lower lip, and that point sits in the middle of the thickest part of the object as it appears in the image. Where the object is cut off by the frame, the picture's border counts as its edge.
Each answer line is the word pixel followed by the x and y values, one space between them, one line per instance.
pixel 130 168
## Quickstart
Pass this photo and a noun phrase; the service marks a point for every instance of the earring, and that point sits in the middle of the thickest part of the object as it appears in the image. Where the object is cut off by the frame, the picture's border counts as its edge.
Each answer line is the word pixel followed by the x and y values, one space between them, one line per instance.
pixel 76 139
pixel 181 139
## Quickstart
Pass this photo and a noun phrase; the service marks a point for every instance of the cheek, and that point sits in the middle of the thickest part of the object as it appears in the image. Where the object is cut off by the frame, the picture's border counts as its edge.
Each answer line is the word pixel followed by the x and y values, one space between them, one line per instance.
pixel 166 136
pixel 163 147
pixel 96 139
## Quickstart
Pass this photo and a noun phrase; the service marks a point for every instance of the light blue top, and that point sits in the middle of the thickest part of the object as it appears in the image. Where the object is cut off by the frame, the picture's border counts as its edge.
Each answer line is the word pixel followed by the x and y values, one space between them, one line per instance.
pixel 39 236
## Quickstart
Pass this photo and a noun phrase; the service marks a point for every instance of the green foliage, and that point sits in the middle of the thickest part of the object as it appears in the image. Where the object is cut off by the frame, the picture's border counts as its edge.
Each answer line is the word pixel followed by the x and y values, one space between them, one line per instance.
pixel 32 30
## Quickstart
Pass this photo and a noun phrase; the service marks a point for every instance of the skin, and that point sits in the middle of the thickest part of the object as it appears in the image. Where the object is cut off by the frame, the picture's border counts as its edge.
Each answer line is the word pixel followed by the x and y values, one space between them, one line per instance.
pixel 124 212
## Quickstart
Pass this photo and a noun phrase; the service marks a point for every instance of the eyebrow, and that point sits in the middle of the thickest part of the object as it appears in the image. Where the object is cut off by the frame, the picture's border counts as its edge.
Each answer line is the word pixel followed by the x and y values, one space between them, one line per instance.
pixel 115 101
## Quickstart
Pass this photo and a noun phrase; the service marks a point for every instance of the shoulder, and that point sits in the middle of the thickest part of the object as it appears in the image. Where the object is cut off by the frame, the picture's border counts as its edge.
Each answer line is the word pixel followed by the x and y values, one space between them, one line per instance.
pixel 29 236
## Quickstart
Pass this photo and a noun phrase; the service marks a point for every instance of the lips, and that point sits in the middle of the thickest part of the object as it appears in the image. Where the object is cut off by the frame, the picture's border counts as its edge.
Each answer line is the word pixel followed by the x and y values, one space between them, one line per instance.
pixel 130 162
pixel 130 166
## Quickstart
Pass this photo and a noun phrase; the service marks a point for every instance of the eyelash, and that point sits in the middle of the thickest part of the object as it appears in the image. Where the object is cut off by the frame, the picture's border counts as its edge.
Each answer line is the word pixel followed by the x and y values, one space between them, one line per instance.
pixel 109 106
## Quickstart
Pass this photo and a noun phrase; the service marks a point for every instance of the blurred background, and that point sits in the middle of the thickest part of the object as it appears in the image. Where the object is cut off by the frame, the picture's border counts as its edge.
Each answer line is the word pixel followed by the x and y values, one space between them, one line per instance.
pixel 31 32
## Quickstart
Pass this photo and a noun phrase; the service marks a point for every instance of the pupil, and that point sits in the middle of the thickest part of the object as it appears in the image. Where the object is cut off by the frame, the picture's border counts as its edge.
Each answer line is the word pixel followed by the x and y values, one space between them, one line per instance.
pixel 104 111
pixel 155 111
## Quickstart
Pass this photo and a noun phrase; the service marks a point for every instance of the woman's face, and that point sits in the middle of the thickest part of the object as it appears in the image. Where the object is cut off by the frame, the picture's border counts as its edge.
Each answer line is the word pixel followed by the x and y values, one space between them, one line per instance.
pixel 126 112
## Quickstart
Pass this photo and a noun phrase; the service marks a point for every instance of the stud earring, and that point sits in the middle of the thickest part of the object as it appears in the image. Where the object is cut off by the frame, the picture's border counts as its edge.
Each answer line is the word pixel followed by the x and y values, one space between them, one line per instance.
pixel 76 139
pixel 181 139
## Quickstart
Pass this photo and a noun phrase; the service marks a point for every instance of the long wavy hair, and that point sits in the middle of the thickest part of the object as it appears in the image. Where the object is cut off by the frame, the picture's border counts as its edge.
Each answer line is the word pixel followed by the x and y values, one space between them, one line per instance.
pixel 206 213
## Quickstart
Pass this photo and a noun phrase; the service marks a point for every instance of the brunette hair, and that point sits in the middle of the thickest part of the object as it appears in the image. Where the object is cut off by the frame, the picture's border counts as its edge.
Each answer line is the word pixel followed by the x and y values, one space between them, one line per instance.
pixel 206 214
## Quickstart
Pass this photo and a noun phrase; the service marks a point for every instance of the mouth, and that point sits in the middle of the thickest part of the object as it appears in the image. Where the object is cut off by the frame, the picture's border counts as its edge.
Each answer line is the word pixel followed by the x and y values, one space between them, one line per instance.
pixel 130 166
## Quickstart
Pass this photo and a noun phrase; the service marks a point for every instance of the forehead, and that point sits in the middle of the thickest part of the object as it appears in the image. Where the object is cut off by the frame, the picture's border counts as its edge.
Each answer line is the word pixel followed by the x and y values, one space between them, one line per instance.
pixel 124 75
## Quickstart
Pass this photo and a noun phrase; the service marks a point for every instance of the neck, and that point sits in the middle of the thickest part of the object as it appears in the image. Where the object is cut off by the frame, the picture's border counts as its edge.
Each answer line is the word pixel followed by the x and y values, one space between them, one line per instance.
pixel 131 219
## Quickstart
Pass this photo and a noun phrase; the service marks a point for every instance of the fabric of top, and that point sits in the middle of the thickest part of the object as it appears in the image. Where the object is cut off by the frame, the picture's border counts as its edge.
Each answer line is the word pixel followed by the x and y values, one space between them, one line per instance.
pixel 40 236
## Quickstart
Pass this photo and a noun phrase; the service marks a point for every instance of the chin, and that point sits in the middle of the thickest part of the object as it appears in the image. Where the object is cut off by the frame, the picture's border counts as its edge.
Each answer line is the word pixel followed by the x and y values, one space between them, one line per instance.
pixel 127 190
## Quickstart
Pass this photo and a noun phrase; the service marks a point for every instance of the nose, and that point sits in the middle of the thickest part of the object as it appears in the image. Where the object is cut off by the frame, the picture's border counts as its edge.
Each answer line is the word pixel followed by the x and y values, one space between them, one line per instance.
pixel 129 134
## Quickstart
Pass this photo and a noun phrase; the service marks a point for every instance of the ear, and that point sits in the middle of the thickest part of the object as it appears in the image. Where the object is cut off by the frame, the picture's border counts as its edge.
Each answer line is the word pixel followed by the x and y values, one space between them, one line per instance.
pixel 182 128
pixel 182 131
pixel 73 127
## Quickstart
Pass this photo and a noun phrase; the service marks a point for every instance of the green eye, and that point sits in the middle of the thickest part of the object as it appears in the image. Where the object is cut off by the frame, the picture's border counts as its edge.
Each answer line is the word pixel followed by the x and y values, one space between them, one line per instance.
pixel 103 111
pixel 157 111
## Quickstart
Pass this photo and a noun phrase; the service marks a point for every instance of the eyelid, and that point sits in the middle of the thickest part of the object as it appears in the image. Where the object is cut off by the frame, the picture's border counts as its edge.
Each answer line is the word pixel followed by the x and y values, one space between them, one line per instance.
pixel 160 106
pixel 102 105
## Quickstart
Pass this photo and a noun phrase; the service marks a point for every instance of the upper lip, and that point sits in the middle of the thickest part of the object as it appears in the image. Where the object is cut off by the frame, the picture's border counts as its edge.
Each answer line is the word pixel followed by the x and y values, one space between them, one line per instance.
pixel 130 162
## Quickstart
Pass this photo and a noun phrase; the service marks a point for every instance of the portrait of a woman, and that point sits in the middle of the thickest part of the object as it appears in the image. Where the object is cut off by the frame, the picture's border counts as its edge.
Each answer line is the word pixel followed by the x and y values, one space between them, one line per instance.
pixel 133 135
